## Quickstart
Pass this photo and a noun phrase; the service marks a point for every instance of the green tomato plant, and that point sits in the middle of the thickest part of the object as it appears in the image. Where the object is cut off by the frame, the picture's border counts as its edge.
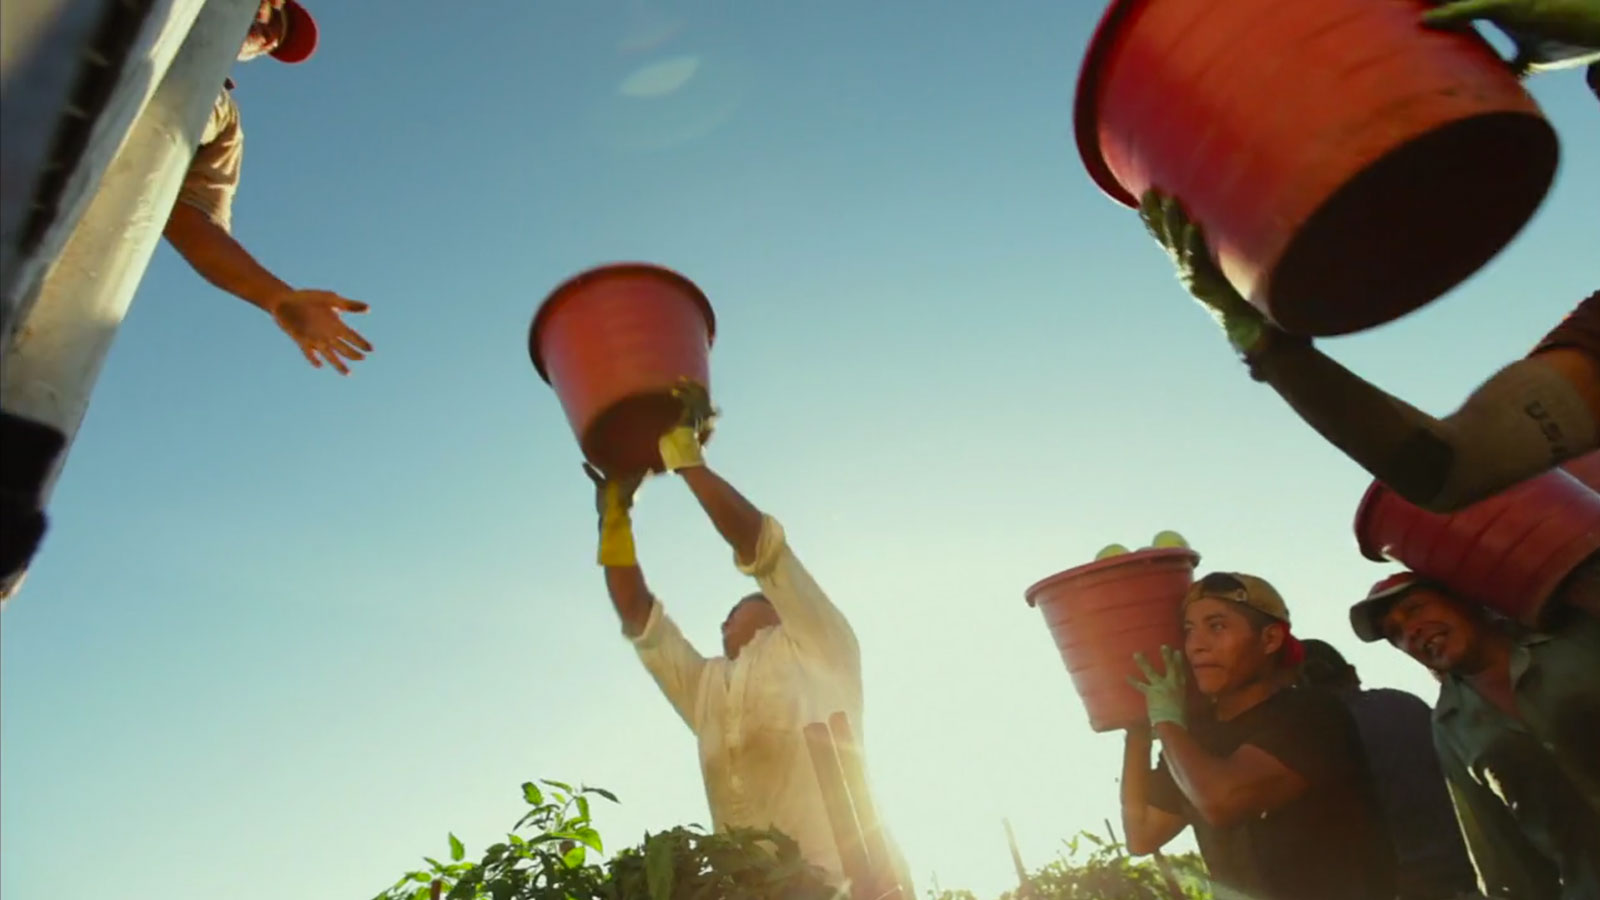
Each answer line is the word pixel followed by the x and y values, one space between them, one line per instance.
pixel 554 852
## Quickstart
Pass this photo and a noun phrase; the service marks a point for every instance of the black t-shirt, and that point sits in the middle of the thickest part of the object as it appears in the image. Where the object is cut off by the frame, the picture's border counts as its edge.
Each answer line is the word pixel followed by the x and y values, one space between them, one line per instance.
pixel 1330 842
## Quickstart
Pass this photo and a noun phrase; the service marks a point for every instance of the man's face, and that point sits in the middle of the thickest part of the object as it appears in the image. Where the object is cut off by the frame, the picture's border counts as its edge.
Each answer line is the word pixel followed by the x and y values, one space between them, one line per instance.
pixel 1434 629
pixel 266 32
pixel 747 617
pixel 1225 651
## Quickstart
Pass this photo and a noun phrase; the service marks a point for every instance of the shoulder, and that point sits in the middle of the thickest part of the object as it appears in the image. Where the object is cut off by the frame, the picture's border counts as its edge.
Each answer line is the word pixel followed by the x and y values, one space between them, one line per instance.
pixel 1308 730
pixel 1393 698
pixel 1307 714
pixel 1306 701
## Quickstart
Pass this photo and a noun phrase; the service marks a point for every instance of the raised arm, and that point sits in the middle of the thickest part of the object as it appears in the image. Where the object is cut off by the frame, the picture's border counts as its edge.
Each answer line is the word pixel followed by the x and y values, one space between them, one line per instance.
pixel 200 229
pixel 670 658
pixel 1148 827
pixel 760 546
pixel 1226 790
pixel 735 518
pixel 1223 790
pixel 1529 417
pixel 625 582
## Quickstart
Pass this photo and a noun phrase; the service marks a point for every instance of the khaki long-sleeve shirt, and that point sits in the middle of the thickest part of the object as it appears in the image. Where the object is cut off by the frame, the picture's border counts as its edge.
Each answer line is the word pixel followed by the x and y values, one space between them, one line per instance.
pixel 748 714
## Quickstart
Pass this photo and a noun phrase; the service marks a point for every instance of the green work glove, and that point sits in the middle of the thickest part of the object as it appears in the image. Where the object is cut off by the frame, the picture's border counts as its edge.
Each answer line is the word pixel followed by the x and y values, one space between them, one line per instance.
pixel 1163 694
pixel 1575 22
pixel 1183 240
pixel 681 446
pixel 613 501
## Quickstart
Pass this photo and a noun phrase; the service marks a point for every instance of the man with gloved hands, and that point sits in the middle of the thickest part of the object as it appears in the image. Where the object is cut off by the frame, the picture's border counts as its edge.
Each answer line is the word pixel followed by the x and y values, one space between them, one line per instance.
pixel 1271 776
pixel 789 656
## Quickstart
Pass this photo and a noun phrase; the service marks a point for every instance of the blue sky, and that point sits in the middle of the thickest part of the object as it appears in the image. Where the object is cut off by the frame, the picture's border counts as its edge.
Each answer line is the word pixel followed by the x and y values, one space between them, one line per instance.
pixel 289 629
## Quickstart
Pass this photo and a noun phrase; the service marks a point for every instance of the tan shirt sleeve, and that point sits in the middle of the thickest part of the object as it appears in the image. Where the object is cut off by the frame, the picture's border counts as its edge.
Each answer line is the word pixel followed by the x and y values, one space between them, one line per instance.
pixel 672 661
pixel 817 627
pixel 213 176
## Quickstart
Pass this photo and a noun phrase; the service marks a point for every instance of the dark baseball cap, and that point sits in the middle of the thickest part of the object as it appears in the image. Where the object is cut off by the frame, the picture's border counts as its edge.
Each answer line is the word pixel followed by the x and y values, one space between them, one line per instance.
pixel 1366 617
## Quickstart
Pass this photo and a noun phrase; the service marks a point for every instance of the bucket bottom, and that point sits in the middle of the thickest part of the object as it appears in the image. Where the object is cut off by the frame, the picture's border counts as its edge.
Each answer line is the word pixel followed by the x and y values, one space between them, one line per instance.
pixel 1414 224
pixel 625 438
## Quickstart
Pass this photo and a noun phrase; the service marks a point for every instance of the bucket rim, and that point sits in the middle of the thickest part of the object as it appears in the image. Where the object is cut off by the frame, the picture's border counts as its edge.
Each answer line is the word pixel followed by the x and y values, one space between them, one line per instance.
pixel 1086 103
pixel 1364 512
pixel 567 288
pixel 1146 555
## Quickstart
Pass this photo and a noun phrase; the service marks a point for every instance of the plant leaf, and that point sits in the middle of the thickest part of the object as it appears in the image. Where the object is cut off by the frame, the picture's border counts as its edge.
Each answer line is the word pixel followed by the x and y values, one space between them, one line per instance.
pixel 458 852
pixel 532 794
pixel 575 857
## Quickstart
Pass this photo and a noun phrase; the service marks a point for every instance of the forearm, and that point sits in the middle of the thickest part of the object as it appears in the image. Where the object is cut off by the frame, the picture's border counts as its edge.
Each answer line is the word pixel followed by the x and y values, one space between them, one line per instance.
pixel 1389 438
pixel 736 518
pixel 1524 420
pixel 220 259
pixel 630 596
pixel 1208 781
pixel 1135 794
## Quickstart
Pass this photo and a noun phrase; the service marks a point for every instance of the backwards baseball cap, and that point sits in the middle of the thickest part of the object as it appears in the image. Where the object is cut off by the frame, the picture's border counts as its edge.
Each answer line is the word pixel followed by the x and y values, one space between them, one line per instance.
pixel 300 35
pixel 1255 593
pixel 1366 617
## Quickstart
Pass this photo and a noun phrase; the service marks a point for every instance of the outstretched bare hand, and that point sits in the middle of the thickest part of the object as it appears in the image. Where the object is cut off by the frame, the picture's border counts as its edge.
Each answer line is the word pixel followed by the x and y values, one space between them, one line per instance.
pixel 312 319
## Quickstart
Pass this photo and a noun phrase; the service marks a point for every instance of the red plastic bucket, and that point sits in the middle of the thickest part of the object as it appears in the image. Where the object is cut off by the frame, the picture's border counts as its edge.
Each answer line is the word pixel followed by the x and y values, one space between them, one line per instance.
pixel 1508 552
pixel 1102 613
pixel 1348 164
pixel 612 342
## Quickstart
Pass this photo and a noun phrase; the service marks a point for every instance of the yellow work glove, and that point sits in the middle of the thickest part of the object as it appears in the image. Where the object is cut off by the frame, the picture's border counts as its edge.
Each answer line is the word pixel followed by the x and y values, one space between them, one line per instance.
pixel 681 446
pixel 613 501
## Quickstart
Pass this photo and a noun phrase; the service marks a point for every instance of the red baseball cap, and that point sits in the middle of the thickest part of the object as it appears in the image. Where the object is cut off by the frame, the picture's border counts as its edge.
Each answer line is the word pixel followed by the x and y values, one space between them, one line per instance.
pixel 1366 617
pixel 300 35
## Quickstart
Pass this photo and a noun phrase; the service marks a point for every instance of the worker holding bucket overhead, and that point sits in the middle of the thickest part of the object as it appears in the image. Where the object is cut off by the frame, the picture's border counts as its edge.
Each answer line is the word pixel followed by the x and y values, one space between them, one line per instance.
pixel 626 347
pixel 789 656
pixel 1397 183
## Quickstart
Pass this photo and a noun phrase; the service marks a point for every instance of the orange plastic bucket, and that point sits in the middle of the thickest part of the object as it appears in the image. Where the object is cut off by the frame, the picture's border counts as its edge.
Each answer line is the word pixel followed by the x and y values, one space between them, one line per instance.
pixel 1509 552
pixel 613 342
pixel 1102 613
pixel 1348 164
